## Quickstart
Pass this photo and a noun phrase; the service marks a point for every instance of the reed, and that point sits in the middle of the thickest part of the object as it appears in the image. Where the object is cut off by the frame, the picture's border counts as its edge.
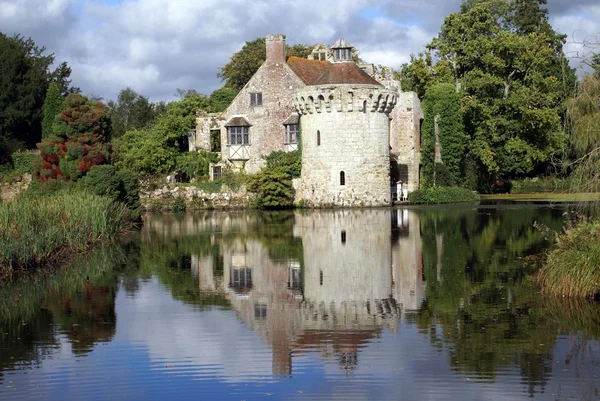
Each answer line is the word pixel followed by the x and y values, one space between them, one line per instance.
pixel 572 268
pixel 37 230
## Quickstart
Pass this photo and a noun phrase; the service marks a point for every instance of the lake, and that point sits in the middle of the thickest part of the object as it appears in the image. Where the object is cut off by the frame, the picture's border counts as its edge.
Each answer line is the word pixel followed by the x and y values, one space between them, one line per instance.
pixel 376 304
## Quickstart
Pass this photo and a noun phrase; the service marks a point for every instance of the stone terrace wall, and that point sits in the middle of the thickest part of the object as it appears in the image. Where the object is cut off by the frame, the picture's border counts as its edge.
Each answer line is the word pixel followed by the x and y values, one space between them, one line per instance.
pixel 195 199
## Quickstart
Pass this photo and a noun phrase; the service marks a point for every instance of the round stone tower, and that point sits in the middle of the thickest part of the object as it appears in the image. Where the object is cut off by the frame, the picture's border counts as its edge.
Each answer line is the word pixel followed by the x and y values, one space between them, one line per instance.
pixel 345 144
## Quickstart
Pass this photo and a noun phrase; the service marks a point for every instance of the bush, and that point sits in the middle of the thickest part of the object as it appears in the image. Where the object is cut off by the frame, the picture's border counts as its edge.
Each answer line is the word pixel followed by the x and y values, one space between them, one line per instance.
pixel 118 185
pixel 25 162
pixel 289 163
pixel 195 164
pixel 572 267
pixel 178 205
pixel 436 195
pixel 273 189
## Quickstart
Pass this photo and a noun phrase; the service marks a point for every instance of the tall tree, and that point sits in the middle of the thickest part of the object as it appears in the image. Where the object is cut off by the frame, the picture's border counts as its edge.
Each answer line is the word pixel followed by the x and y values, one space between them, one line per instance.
pixel 130 111
pixel 53 104
pixel 511 82
pixel 25 73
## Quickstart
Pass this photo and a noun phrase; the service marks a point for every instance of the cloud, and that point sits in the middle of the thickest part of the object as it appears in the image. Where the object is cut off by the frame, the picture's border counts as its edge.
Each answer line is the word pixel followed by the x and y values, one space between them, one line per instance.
pixel 157 46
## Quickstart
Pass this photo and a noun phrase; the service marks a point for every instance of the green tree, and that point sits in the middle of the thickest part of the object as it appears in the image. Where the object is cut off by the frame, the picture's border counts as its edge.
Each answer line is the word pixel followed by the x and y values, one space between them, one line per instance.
pixel 510 75
pixel 24 78
pixel 155 149
pixel 130 111
pixel 53 104
pixel 221 98
pixel 443 102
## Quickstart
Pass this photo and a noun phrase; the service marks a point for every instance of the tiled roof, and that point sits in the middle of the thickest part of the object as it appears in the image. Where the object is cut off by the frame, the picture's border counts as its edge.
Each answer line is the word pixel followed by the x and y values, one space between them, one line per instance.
pixel 341 44
pixel 314 72
pixel 293 119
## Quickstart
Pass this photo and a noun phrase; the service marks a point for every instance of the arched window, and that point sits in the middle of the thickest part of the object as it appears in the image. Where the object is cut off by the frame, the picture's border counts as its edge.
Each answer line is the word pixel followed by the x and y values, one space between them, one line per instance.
pixel 342 178
pixel 318 138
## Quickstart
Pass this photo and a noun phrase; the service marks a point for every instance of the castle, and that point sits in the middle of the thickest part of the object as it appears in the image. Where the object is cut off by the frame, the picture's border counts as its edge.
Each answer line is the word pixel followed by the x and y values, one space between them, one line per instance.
pixel 353 122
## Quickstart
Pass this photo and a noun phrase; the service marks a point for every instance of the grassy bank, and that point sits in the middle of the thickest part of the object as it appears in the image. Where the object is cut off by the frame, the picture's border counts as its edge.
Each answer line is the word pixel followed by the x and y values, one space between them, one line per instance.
pixel 37 230
pixel 573 266
pixel 436 195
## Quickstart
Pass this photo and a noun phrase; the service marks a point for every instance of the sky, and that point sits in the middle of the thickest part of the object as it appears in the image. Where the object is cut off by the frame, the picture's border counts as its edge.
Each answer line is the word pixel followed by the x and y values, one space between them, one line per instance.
pixel 157 46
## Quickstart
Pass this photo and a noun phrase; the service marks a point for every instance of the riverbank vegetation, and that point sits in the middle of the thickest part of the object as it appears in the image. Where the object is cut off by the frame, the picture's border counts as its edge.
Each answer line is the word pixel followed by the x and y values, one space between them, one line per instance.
pixel 37 230
pixel 437 195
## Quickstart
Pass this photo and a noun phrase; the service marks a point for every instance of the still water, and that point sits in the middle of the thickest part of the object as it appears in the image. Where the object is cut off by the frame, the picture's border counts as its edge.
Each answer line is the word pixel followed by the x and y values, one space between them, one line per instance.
pixel 404 304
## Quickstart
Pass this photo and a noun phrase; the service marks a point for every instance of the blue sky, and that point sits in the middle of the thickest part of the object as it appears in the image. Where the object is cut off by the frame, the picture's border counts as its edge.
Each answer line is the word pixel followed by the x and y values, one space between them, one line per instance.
pixel 157 46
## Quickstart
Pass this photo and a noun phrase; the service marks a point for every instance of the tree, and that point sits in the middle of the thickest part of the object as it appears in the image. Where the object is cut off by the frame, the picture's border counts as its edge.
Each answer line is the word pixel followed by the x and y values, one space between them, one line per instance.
pixel 244 64
pixel 130 111
pixel 79 141
pixel 155 149
pixel 221 98
pixel 24 78
pixel 53 104
pixel 442 107
pixel 510 75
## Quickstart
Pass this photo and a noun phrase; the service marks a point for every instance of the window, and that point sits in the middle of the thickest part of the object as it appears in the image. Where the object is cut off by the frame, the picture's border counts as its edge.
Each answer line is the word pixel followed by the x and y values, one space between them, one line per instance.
pixel 240 279
pixel 294 275
pixel 260 311
pixel 216 172
pixel 342 178
pixel 318 138
pixel 256 99
pixel 320 277
pixel 238 135
pixel 291 134
pixel 343 236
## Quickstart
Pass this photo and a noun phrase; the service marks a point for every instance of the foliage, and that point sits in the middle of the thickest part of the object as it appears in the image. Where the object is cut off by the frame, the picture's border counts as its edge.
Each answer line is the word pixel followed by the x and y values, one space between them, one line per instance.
pixel 155 149
pixel 117 185
pixel 571 268
pixel 36 230
pixel 583 123
pixel 435 195
pixel 287 162
pixel 540 184
pixel 78 142
pixel 24 78
pixel 441 100
pixel 178 205
pixel 195 164
pixel 273 184
pixel 507 65
pixel 53 104
pixel 221 98
pixel 130 111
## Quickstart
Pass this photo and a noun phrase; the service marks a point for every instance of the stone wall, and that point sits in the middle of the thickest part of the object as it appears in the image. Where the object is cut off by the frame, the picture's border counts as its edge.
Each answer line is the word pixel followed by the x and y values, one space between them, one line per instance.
pixel 352 125
pixel 405 135
pixel 162 198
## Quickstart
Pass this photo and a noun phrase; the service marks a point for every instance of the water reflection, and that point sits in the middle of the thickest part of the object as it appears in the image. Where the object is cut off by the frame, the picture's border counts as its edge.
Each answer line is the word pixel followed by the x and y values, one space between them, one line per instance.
pixel 426 299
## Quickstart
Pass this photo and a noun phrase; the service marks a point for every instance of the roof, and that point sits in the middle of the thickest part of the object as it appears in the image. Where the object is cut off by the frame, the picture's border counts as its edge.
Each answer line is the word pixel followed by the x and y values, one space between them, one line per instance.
pixel 293 119
pixel 238 122
pixel 314 72
pixel 341 44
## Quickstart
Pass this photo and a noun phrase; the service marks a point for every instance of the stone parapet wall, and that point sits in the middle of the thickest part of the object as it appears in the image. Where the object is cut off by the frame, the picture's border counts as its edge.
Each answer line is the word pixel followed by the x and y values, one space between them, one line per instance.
pixel 162 198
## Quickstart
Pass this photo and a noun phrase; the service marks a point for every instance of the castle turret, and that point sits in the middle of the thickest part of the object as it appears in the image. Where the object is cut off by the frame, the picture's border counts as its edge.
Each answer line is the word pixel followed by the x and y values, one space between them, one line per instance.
pixel 345 145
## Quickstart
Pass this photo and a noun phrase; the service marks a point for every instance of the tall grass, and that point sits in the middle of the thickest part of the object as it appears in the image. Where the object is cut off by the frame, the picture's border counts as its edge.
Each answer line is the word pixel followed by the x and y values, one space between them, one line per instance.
pixel 35 230
pixel 573 267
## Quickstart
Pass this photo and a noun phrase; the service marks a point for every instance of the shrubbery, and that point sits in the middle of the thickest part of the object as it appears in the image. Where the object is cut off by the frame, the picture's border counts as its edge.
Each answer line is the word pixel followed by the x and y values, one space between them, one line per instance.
pixel 435 195
pixel 273 184
pixel 117 185
pixel 572 267
pixel 195 164
pixel 543 184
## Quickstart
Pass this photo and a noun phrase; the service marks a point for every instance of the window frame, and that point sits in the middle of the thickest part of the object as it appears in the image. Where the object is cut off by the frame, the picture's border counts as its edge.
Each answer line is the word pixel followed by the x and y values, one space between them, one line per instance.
pixel 342 178
pixel 238 135
pixel 256 99
pixel 291 135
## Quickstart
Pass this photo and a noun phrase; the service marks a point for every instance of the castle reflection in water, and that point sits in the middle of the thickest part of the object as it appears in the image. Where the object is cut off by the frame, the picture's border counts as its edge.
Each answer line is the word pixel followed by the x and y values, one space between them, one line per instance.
pixel 329 281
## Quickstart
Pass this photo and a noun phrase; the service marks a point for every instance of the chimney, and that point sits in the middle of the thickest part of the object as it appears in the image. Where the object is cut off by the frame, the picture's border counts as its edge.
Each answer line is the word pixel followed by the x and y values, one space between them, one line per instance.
pixel 275 48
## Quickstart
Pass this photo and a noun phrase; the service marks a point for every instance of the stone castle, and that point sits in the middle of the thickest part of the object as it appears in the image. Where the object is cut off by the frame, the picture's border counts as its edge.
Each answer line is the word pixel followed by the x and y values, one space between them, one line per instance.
pixel 352 121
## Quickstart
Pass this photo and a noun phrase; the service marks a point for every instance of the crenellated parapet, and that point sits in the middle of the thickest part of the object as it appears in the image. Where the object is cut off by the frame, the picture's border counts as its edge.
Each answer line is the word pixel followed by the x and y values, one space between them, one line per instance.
pixel 343 98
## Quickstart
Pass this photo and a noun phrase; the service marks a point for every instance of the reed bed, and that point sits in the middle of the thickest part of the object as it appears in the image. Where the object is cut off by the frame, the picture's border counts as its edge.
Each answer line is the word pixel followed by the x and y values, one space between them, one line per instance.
pixel 37 230
pixel 573 268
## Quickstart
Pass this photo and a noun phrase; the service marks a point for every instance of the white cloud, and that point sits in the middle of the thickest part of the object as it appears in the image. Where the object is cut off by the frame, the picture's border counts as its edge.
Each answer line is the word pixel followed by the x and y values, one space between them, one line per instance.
pixel 156 46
